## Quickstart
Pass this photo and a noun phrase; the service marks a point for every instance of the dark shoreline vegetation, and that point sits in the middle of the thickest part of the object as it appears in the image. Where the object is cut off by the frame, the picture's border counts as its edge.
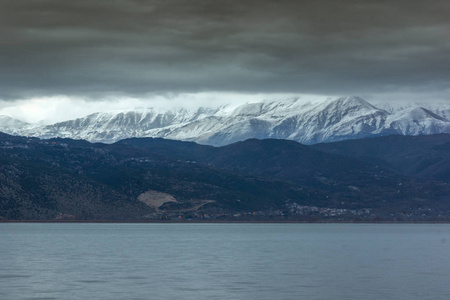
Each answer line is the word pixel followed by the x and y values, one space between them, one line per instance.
pixel 375 180
pixel 215 222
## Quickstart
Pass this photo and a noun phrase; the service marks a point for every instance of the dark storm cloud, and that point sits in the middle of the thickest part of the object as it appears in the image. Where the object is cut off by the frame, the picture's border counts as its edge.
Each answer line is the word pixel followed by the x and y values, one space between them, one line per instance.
pixel 96 48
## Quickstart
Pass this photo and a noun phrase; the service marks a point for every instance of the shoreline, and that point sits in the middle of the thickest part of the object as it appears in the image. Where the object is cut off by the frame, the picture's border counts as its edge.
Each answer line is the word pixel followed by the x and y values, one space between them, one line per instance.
pixel 220 222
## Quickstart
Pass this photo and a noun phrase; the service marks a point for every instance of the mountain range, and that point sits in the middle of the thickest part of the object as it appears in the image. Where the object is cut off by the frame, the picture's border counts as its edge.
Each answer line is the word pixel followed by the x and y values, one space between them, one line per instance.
pixel 297 119
pixel 154 179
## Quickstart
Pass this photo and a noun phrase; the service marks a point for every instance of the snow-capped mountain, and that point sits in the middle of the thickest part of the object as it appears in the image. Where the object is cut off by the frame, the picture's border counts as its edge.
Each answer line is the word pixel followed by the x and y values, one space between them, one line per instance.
pixel 8 124
pixel 113 126
pixel 306 121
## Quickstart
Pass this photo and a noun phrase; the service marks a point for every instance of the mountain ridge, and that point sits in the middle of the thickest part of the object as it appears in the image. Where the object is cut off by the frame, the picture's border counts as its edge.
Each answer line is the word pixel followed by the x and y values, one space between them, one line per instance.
pixel 304 121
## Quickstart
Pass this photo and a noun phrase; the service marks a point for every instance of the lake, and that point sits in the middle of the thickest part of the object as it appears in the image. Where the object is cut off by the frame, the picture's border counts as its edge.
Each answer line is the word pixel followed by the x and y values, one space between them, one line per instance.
pixel 224 261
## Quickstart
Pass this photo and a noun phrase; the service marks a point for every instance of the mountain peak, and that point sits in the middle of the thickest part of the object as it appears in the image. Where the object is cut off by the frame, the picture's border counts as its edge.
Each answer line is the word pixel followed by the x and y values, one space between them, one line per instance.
pixel 353 102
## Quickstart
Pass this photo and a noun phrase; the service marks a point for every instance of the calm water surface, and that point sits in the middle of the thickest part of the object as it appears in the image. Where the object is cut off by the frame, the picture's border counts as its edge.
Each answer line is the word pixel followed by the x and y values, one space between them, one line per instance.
pixel 224 261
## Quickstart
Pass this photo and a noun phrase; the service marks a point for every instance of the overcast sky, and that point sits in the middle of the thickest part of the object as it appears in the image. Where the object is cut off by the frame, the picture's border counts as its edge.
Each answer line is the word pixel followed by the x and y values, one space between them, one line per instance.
pixel 111 51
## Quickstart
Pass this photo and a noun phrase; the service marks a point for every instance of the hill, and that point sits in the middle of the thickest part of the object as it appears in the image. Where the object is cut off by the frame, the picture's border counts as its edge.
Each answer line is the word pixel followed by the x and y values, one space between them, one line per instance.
pixel 149 179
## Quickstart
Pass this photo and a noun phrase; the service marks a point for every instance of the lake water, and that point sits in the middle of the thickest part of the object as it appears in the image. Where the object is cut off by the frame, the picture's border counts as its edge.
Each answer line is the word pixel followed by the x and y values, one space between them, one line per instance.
pixel 224 261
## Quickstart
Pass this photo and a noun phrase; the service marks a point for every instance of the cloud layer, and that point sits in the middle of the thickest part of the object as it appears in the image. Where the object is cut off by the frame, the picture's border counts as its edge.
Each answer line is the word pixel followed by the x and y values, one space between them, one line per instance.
pixel 104 48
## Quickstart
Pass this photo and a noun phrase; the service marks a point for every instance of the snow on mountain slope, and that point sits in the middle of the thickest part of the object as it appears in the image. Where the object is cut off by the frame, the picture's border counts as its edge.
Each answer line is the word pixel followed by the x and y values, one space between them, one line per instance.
pixel 417 121
pixel 8 122
pixel 308 121
pixel 334 120
pixel 112 126
pixel 13 126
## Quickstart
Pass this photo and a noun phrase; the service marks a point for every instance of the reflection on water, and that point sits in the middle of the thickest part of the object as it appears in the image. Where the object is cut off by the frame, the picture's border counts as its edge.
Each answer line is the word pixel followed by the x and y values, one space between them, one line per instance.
pixel 224 261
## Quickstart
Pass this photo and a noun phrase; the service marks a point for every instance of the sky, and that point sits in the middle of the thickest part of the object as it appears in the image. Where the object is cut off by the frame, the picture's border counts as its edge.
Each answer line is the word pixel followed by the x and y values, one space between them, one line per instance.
pixel 61 58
